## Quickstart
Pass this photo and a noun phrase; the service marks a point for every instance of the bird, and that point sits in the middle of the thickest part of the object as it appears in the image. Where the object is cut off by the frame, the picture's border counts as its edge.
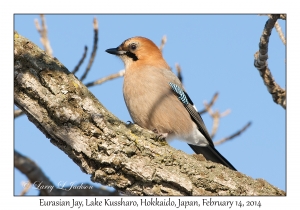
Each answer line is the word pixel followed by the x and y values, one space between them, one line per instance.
pixel 156 99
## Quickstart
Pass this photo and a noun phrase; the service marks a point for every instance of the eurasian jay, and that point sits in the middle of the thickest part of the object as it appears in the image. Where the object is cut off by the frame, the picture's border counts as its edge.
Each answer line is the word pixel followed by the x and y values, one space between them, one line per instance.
pixel 156 99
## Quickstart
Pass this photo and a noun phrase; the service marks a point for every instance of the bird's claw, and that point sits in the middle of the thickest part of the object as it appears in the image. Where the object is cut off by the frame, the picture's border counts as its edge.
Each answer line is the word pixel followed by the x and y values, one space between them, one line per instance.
pixel 160 136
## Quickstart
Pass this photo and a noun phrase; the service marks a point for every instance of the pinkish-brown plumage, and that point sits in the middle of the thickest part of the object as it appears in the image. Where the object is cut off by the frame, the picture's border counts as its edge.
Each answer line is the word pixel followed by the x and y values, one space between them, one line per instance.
pixel 149 99
pixel 153 104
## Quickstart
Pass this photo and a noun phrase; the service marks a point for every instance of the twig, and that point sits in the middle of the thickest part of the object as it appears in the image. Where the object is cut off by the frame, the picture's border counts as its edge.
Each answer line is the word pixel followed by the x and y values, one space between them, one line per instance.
pixel 94 50
pixel 210 104
pixel 178 69
pixel 280 33
pixel 225 113
pixel 216 122
pixel 18 113
pixel 104 79
pixel 81 60
pixel 233 135
pixel 43 33
pixel 26 188
pixel 163 42
pixel 216 118
pixel 260 62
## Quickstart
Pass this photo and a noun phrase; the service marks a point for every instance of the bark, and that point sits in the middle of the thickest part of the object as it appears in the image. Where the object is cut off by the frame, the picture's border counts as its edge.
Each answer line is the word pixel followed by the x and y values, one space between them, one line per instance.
pixel 260 62
pixel 130 159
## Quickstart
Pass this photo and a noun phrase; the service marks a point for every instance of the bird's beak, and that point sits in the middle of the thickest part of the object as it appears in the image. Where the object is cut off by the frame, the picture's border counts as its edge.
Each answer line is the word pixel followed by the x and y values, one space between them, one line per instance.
pixel 115 51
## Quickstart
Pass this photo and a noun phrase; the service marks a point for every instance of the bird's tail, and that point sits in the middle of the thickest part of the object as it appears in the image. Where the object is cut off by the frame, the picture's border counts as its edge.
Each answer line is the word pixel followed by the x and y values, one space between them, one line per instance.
pixel 210 153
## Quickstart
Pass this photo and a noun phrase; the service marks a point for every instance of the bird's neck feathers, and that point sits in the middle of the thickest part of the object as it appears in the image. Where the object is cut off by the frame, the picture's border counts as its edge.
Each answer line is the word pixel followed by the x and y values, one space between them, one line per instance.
pixel 157 62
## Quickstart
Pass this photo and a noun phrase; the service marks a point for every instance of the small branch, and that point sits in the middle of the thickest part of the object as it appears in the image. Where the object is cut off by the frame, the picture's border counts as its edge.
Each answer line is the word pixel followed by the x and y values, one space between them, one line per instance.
pixel 280 33
pixel 210 104
pixel 104 79
pixel 260 62
pixel 283 16
pixel 163 42
pixel 81 60
pixel 233 135
pixel 94 50
pixel 225 113
pixel 216 121
pixel 216 118
pixel 18 113
pixel 26 188
pixel 178 69
pixel 43 33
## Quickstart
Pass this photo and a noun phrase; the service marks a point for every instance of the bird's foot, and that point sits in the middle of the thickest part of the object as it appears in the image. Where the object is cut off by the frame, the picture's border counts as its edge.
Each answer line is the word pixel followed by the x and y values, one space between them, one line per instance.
pixel 129 122
pixel 160 136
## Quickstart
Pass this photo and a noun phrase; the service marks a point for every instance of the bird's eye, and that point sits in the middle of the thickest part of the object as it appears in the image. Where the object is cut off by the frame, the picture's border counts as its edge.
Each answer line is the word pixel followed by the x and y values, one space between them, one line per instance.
pixel 133 46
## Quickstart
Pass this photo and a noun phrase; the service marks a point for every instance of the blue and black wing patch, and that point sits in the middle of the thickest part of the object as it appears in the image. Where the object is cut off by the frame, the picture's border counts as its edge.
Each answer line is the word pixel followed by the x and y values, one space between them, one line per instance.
pixel 180 93
pixel 188 104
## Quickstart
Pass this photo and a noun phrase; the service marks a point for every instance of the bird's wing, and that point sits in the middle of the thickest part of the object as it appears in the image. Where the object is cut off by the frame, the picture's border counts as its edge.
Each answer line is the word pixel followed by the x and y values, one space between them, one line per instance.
pixel 188 104
pixel 209 152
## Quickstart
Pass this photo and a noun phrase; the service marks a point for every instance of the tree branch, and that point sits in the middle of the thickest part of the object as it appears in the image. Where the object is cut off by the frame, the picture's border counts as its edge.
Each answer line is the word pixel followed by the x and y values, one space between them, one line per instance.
pixel 105 79
pixel 208 106
pixel 260 62
pixel 130 159
pixel 81 60
pixel 26 188
pixel 178 69
pixel 18 113
pixel 95 24
pixel 233 135
pixel 163 42
pixel 44 34
pixel 280 33
pixel 36 177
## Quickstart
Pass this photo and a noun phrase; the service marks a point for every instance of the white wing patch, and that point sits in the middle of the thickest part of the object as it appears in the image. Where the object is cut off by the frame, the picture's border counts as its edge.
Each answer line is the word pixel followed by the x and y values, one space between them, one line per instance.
pixel 195 137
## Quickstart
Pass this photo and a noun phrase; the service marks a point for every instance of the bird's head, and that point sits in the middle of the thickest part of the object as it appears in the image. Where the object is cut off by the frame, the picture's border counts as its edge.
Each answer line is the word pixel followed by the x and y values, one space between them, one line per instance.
pixel 138 51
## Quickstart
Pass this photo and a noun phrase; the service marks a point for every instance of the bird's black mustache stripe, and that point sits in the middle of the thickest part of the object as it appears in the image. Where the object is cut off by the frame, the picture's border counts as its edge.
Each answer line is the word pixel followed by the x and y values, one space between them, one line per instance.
pixel 132 55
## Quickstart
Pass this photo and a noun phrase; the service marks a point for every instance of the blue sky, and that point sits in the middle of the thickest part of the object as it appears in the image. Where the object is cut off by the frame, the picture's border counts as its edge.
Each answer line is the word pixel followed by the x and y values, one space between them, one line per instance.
pixel 215 53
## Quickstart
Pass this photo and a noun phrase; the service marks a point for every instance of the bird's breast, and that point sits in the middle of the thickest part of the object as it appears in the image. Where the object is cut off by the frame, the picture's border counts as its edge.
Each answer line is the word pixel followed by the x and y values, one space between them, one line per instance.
pixel 152 104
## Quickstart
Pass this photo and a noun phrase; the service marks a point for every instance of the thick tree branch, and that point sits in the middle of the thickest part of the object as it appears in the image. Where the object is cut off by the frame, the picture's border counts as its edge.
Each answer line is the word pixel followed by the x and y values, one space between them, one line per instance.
pixel 126 157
